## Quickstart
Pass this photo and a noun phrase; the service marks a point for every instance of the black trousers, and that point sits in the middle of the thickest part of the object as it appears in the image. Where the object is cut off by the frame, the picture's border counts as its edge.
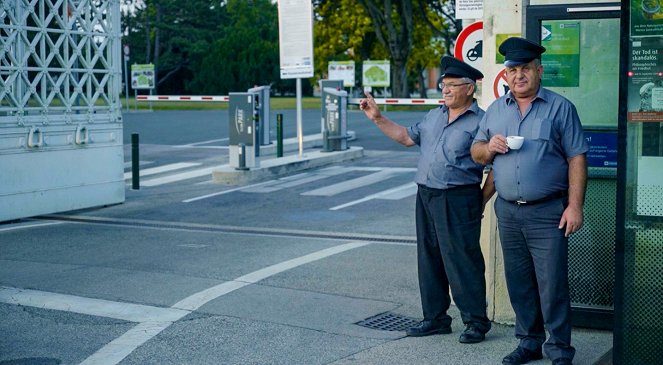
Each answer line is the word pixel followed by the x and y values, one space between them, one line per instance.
pixel 536 268
pixel 449 254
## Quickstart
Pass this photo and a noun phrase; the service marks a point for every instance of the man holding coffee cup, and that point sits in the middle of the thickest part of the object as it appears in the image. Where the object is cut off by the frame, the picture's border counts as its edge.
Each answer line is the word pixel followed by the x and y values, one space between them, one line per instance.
pixel 449 204
pixel 541 187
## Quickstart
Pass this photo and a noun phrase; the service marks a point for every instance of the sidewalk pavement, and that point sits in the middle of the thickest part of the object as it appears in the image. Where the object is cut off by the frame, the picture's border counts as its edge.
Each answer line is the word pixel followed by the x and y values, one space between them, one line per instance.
pixel 593 347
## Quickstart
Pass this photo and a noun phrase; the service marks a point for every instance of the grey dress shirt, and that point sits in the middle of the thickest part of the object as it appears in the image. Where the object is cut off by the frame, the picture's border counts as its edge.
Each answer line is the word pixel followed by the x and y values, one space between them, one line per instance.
pixel 445 160
pixel 552 132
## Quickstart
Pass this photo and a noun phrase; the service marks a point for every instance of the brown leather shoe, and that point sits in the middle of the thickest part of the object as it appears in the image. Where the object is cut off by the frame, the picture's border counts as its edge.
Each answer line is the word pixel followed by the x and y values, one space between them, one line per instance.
pixel 427 328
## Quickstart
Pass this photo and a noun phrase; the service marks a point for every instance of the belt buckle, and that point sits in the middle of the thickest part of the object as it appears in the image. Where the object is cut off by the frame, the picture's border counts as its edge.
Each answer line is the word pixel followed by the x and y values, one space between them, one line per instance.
pixel 521 202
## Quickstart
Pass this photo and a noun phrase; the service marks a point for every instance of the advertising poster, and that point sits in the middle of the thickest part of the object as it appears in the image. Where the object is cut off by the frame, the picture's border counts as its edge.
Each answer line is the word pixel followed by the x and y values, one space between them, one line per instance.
pixel 602 149
pixel 646 18
pixel 376 73
pixel 645 82
pixel 342 70
pixel 561 61
pixel 142 76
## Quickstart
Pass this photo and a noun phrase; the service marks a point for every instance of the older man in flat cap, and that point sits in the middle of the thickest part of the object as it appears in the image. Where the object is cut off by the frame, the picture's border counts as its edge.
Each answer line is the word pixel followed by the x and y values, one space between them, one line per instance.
pixel 541 188
pixel 449 204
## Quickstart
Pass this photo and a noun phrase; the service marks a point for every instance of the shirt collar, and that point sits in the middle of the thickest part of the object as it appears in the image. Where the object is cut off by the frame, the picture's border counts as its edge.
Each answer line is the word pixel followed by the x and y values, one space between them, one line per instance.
pixel 542 94
pixel 474 108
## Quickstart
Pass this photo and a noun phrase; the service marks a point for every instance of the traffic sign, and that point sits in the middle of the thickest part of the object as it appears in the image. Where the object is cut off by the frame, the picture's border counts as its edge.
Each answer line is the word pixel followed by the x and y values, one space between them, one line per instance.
pixel 469 45
pixel 500 86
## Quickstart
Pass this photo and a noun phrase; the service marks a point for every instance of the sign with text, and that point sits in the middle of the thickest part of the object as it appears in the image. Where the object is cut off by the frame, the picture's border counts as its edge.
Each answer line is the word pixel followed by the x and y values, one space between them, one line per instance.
pixel 469 9
pixel 142 76
pixel 646 18
pixel 342 70
pixel 645 81
pixel 296 38
pixel 602 149
pixel 561 61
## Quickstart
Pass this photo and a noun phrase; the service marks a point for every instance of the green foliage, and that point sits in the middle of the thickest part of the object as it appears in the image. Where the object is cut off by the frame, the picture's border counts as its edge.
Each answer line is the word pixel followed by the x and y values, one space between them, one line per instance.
pixel 219 46
pixel 246 54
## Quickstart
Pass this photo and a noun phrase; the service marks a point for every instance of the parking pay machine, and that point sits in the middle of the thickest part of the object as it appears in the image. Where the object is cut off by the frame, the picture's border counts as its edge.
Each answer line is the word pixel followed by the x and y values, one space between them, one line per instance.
pixel 334 120
pixel 244 147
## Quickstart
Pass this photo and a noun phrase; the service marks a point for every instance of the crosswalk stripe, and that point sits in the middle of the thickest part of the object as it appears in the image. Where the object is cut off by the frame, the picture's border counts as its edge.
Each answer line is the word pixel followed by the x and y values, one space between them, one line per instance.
pixel 179 177
pixel 348 185
pixel 163 168
pixel 396 193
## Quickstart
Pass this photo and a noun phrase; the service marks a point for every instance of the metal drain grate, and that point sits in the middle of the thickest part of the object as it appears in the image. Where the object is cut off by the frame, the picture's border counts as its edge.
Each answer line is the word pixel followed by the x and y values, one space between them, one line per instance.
pixel 388 321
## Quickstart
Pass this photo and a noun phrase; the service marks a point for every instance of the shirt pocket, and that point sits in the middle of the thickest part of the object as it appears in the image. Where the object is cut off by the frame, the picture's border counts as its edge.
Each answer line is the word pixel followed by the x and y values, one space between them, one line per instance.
pixel 459 142
pixel 542 128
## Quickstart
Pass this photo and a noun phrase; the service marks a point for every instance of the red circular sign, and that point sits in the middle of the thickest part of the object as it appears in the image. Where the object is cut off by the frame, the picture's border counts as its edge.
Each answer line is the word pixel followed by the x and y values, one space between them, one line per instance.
pixel 500 86
pixel 469 45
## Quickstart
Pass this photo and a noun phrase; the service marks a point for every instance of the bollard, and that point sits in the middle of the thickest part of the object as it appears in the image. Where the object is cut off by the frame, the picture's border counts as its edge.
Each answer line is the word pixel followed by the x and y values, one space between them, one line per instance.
pixel 135 169
pixel 279 135
pixel 242 157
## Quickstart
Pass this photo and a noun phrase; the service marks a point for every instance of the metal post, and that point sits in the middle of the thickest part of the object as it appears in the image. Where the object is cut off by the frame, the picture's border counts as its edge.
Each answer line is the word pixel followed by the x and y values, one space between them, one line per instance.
pixel 135 170
pixel 126 84
pixel 279 135
pixel 300 132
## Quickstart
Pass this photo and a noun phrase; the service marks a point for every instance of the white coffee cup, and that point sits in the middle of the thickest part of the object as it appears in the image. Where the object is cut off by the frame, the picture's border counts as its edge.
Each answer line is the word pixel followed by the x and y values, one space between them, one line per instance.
pixel 514 142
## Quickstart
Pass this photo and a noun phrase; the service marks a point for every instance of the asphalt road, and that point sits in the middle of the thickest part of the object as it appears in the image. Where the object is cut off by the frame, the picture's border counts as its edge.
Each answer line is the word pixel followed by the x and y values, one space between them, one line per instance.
pixel 187 271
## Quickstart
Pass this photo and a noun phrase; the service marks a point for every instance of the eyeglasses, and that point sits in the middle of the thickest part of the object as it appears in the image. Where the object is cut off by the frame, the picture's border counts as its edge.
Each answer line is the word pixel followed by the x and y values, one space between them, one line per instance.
pixel 442 85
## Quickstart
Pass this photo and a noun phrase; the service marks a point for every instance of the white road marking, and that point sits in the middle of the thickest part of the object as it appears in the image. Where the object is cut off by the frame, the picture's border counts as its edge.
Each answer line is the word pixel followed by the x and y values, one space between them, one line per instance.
pixel 396 193
pixel 179 177
pixel 94 307
pixel 196 144
pixel 151 320
pixel 164 168
pixel 351 184
pixel 12 228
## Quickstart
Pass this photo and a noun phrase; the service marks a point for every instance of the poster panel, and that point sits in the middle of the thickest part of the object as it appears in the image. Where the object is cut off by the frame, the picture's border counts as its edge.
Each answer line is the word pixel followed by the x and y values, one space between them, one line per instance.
pixel 645 82
pixel 561 61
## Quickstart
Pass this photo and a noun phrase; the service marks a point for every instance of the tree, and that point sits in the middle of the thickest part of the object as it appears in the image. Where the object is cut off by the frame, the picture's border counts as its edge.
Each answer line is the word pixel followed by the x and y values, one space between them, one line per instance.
pixel 247 52
pixel 173 35
pixel 393 25
pixel 413 34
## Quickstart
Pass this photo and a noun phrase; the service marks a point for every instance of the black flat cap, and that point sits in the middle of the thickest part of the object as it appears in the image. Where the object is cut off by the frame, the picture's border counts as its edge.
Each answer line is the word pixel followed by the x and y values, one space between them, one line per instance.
pixel 517 51
pixel 454 67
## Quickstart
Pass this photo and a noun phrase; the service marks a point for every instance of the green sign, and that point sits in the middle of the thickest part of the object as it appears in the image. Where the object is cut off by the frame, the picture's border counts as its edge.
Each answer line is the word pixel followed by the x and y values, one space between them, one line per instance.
pixel 561 61
pixel 376 73
pixel 142 76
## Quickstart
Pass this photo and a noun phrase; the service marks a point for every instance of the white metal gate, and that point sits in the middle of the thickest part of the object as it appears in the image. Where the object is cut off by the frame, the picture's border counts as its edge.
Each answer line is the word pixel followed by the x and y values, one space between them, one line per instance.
pixel 60 111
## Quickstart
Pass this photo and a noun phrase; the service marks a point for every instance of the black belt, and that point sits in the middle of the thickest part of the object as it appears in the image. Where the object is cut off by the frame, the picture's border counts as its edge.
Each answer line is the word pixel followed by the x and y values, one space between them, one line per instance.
pixel 557 195
pixel 454 188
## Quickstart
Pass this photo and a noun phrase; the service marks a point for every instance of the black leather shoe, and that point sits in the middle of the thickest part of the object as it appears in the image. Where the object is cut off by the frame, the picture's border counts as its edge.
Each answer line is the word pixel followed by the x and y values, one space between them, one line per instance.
pixel 427 328
pixel 562 361
pixel 522 356
pixel 471 335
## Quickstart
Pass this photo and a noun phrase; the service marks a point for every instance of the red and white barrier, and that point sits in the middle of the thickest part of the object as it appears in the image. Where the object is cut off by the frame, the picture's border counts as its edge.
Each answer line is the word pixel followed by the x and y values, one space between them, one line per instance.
pixel 355 101
pixel 223 98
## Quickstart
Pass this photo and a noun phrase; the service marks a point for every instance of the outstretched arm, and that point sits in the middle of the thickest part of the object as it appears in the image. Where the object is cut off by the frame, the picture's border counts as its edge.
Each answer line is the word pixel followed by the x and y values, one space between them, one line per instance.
pixel 390 128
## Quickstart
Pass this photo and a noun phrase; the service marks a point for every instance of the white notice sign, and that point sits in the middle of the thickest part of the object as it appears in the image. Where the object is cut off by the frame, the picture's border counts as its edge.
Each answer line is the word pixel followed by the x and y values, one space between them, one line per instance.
pixel 469 9
pixel 296 38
